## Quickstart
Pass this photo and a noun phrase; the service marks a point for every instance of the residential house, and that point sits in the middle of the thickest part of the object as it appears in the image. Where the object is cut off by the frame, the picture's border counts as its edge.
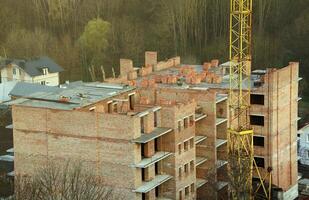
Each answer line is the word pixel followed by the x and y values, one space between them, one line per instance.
pixel 42 70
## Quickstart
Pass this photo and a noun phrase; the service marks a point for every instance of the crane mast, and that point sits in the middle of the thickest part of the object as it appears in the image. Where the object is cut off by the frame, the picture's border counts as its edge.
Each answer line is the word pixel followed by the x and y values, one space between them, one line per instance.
pixel 240 134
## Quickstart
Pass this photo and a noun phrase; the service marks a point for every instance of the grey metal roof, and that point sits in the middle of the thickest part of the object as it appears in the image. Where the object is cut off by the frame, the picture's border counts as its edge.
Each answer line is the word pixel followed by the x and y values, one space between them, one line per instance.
pixel 5 89
pixel 34 66
pixel 23 89
pixel 76 94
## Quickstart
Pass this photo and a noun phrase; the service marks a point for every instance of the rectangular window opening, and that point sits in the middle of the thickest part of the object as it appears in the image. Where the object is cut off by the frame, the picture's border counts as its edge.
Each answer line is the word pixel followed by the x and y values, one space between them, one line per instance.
pixel 155 114
pixel 109 107
pixel 191 143
pixel 186 168
pixel 257 99
pixel 257 120
pixel 157 143
pixel 115 107
pixel 186 122
pixel 192 187
pixel 132 101
pixel 186 146
pixel 179 126
pixel 187 190
pixel 260 162
pixel 143 174
pixel 192 165
pixel 142 124
pixel 258 141
pixel 191 120
pixel 180 195
pixel 143 150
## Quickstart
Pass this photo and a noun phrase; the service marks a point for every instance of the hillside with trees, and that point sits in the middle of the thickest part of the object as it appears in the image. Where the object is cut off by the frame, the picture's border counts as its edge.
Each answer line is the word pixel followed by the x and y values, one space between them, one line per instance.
pixel 78 34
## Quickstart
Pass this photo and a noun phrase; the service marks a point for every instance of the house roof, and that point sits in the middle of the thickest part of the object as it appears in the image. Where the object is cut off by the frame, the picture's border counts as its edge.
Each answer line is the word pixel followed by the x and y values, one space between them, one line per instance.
pixel 34 66
pixel 68 97
pixel 5 89
pixel 23 89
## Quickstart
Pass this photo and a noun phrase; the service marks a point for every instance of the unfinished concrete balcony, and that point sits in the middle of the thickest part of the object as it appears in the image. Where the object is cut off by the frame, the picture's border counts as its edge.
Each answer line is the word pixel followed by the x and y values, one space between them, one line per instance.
pixel 199 115
pixel 199 138
pixel 221 185
pixel 221 97
pixel 200 182
pixel 158 156
pixel 147 186
pixel 220 120
pixel 7 158
pixel 220 142
pixel 199 160
pixel 147 137
pixel 221 163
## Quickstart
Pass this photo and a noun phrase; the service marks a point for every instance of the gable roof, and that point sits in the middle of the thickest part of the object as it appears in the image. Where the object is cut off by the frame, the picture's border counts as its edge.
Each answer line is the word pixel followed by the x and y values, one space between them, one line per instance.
pixel 34 66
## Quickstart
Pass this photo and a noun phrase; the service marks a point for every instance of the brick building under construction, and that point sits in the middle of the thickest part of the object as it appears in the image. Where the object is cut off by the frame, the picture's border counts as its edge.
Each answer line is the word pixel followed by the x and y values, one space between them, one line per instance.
pixel 161 128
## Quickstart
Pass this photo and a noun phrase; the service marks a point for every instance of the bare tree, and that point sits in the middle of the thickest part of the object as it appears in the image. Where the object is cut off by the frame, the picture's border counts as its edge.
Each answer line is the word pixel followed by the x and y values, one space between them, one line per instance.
pixel 68 182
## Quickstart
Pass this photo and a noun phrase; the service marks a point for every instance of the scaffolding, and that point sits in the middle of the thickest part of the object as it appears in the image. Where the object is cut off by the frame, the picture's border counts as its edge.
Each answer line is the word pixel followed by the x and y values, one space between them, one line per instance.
pixel 240 134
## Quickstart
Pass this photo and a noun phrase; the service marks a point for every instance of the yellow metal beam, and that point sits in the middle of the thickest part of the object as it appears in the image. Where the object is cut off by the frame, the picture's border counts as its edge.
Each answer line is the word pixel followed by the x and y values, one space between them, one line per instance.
pixel 240 134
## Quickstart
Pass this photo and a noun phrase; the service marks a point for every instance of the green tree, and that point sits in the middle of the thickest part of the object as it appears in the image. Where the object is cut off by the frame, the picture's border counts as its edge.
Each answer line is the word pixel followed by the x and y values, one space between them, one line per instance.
pixel 93 43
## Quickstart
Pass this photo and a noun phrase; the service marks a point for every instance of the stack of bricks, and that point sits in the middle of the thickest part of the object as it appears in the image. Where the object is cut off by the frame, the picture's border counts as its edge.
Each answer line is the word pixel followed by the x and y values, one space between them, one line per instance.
pixel 214 63
pixel 166 79
pixel 144 71
pixel 144 100
pixel 150 83
pixel 211 77
pixel 132 75
pixel 131 83
pixel 165 102
pixel 171 79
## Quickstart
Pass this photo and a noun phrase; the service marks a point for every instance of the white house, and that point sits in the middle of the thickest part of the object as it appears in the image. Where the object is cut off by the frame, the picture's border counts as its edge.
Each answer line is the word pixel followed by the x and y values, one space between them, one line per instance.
pixel 40 70
pixel 303 145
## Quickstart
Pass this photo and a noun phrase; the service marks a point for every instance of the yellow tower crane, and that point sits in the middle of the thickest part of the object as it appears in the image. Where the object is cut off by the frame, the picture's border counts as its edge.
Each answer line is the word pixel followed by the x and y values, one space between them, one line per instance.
pixel 240 135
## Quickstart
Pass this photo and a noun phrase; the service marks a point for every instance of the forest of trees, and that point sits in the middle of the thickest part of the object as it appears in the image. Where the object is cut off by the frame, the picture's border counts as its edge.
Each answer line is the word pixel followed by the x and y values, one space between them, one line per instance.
pixel 80 33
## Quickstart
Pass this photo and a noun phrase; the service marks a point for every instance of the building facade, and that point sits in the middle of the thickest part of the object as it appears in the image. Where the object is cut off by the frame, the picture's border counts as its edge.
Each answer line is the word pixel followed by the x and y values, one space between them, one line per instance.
pixel 40 70
pixel 161 128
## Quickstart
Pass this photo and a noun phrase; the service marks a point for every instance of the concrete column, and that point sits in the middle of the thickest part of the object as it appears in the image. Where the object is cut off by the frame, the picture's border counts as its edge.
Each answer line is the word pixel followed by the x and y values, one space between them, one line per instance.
pixel 149 149
pixel 151 195
pixel 149 123
pixel 149 173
